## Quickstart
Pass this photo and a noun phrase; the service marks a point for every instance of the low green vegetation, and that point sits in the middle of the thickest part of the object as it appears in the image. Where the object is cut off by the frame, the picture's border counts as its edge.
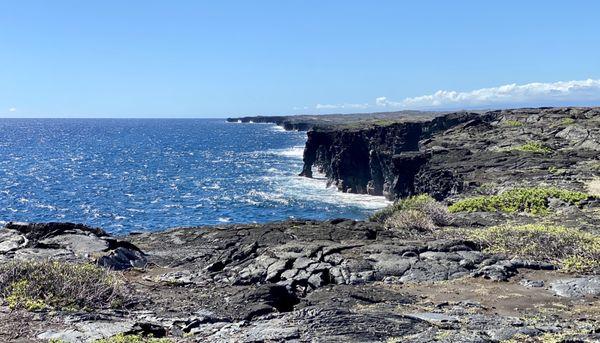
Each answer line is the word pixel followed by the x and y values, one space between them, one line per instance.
pixel 123 338
pixel 574 250
pixel 415 213
pixel 512 123
pixel 568 121
pixel 533 200
pixel 533 147
pixel 36 285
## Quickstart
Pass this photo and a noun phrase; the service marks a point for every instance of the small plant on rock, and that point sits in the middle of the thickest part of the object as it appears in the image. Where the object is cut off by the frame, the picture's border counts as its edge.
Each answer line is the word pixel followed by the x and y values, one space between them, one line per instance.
pixel 124 338
pixel 534 147
pixel 568 121
pixel 513 123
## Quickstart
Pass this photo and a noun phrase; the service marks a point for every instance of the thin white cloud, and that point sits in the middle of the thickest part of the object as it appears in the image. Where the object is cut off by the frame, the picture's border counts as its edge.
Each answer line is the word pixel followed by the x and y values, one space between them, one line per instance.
pixel 383 102
pixel 512 94
pixel 341 106
pixel 582 92
pixel 12 109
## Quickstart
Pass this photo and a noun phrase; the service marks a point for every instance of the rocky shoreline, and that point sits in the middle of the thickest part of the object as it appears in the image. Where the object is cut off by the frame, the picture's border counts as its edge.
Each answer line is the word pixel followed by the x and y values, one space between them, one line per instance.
pixel 303 281
pixel 533 173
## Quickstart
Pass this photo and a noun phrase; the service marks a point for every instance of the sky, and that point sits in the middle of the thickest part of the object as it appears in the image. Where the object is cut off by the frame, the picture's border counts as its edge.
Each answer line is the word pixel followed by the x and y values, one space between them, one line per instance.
pixel 229 58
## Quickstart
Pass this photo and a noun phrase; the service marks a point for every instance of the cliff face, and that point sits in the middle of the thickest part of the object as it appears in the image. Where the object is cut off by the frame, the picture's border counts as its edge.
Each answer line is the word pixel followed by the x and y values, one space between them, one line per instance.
pixel 457 152
pixel 377 160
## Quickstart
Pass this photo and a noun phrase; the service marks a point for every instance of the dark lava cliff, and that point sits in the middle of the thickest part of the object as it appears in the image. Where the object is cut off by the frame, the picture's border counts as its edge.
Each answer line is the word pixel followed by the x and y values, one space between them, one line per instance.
pixel 445 155
pixel 379 160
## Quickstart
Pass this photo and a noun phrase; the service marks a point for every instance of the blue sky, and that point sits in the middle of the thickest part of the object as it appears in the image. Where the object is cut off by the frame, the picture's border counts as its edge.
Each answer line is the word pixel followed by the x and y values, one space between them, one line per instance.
pixel 221 58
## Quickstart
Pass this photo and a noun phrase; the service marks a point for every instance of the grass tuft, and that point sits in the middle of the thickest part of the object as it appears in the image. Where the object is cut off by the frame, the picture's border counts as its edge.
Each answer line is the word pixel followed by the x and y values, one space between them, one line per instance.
pixel 513 123
pixel 568 121
pixel 533 200
pixel 534 147
pixel 420 213
pixel 36 285
pixel 414 202
pixel 574 250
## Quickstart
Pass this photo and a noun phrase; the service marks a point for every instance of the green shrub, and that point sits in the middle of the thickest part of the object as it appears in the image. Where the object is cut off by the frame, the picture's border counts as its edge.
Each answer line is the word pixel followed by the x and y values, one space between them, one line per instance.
pixel 123 338
pixel 572 249
pixel 36 285
pixel 568 121
pixel 513 123
pixel 533 200
pixel 534 147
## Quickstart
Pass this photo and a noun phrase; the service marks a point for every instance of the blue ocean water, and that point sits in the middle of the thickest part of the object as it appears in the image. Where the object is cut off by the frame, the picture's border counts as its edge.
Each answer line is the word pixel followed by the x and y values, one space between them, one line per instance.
pixel 152 174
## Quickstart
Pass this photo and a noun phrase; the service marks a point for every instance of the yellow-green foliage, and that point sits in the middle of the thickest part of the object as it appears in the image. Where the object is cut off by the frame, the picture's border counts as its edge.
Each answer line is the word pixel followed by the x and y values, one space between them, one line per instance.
pixel 59 285
pixel 409 203
pixel 534 147
pixel 19 297
pixel 513 123
pixel 533 200
pixel 122 338
pixel 568 121
pixel 574 250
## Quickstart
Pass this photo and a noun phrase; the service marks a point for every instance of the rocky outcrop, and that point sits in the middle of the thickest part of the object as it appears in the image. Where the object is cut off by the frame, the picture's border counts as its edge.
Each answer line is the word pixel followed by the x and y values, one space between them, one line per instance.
pixel 303 281
pixel 67 242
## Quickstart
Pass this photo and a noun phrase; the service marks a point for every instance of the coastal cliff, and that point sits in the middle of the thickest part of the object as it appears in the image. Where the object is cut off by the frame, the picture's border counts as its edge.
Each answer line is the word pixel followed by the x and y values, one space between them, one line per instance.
pixel 444 154
pixel 377 160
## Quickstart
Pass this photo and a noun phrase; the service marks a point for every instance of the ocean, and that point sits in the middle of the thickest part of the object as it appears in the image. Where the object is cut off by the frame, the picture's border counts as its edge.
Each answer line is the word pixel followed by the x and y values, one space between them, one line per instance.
pixel 127 175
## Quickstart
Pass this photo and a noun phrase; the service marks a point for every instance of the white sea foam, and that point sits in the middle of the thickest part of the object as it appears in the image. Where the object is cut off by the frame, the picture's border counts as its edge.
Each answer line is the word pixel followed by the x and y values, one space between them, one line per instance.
pixel 278 128
pixel 296 152
pixel 224 220
pixel 307 189
pixel 135 210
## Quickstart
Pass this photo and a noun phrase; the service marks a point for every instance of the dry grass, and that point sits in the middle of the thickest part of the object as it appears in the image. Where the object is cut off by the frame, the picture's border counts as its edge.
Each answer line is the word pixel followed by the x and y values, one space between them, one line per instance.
pixel 574 250
pixel 416 213
pixel 58 285
pixel 593 187
pixel 410 220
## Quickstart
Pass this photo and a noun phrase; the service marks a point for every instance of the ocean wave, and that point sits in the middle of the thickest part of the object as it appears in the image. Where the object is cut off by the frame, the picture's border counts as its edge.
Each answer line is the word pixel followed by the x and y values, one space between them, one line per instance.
pixel 277 128
pixel 296 152
pixel 315 190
